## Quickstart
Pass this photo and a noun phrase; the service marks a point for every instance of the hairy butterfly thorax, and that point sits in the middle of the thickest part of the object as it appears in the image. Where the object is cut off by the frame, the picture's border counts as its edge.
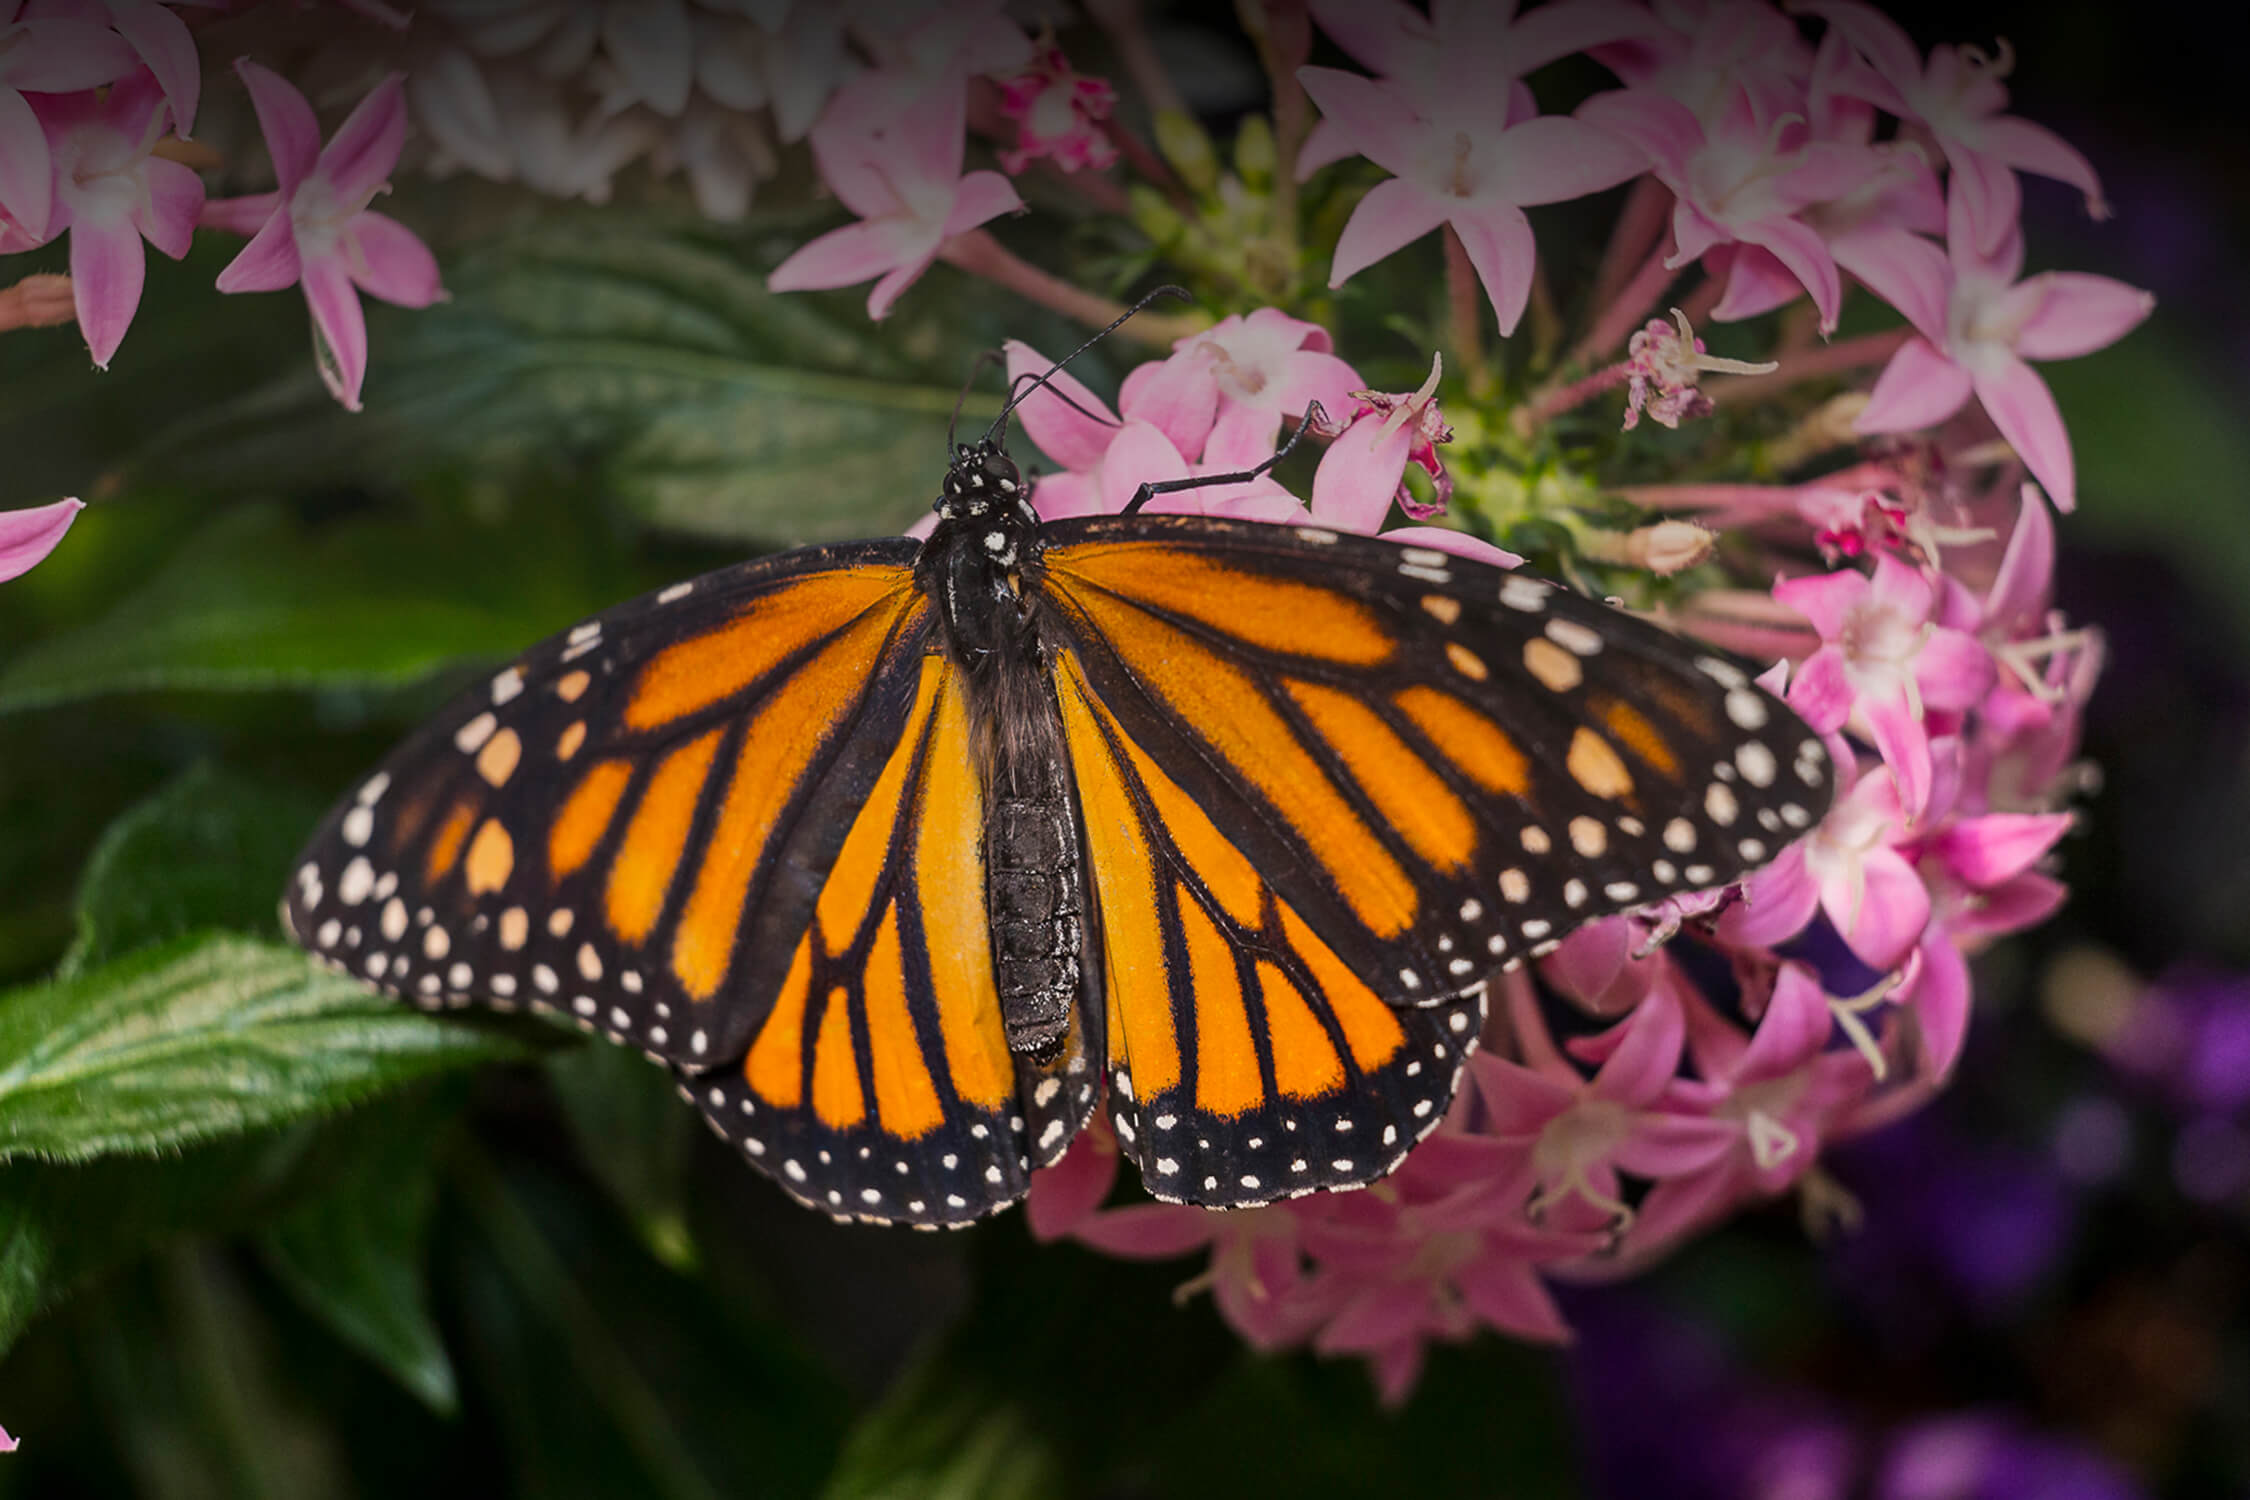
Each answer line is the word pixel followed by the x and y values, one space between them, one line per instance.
pixel 981 564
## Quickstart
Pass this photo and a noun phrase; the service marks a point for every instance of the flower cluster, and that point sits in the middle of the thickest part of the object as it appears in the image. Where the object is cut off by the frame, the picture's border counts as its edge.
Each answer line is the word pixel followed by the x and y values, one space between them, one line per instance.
pixel 1660 1069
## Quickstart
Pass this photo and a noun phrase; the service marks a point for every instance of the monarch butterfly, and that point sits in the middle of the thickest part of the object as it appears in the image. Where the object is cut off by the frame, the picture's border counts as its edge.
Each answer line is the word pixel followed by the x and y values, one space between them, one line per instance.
pixel 892 850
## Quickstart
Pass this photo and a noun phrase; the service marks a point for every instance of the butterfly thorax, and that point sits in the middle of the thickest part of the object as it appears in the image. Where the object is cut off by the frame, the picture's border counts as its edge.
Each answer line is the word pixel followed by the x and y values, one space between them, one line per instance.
pixel 979 566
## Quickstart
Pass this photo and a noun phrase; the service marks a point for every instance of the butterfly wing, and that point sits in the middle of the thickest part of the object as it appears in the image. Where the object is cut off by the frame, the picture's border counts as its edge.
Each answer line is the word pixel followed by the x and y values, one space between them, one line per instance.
pixel 880 1085
pixel 1332 785
pixel 1247 1061
pixel 625 823
pixel 1442 765
pixel 722 824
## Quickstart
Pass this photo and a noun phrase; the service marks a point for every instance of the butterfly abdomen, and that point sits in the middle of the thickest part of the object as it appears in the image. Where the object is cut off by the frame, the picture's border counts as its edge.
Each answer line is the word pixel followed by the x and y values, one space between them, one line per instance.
pixel 1034 893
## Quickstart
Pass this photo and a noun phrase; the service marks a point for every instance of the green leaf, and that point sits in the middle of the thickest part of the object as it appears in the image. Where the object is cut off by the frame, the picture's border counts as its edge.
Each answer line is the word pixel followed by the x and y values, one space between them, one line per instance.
pixel 353 1253
pixel 257 601
pixel 204 1037
pixel 606 1373
pixel 62 1225
pixel 208 851
pixel 940 1437
pixel 653 358
pixel 634 1137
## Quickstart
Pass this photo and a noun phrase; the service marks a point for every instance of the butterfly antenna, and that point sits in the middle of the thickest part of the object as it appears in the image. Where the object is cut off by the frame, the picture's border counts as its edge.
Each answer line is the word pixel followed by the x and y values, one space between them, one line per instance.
pixel 1000 422
pixel 952 426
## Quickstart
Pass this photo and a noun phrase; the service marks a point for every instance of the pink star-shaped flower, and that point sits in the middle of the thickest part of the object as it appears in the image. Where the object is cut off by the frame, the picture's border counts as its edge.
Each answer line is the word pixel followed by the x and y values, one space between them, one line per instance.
pixel 1884 663
pixel 47 55
pixel 110 192
pixel 1979 325
pixel 1957 96
pixel 1741 178
pixel 1465 152
pixel 316 230
pixel 1852 867
pixel 904 181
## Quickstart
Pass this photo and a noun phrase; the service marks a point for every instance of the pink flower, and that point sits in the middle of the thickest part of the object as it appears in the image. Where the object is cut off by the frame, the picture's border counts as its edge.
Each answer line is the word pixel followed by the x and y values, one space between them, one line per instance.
pixel 1464 152
pixel 1707 53
pixel 1264 368
pixel 27 536
pixel 1667 361
pixel 8 1443
pixel 1957 96
pixel 1851 867
pixel 1057 111
pixel 1981 885
pixel 1883 663
pixel 1741 177
pixel 1978 326
pixel 1364 470
pixel 1396 41
pixel 1577 1133
pixel 46 55
pixel 1768 1101
pixel 111 193
pixel 316 229
pixel 905 183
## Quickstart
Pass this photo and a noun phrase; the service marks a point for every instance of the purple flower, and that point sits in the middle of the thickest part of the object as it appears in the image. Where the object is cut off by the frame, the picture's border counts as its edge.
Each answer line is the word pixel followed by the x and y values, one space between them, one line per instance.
pixel 904 181
pixel 27 536
pixel 110 192
pixel 317 230
pixel 1978 326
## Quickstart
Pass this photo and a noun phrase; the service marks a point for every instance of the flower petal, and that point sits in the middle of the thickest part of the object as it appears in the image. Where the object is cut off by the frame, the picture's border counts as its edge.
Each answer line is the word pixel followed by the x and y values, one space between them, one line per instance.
pixel 1919 388
pixel 1953 671
pixel 1822 691
pixel 842 257
pixel 1894 907
pixel 1778 900
pixel 1507 1293
pixel 168 215
pixel 1940 997
pixel 162 40
pixel 2027 568
pixel 1376 117
pixel 1984 851
pixel 982 196
pixel 1459 543
pixel 291 129
pixel 1178 396
pixel 1063 419
pixel 1793 1030
pixel 1498 239
pixel 1909 273
pixel 1555 158
pixel 1647 1056
pixel 1904 743
pixel 268 263
pixel 1826 599
pixel 1149 1231
pixel 27 536
pixel 2031 147
pixel 2024 410
pixel 1064 1195
pixel 63 55
pixel 106 268
pixel 887 291
pixel 1138 455
pixel 27 172
pixel 1394 214
pixel 1358 476
pixel 2080 314
pixel 388 260
pixel 339 329
pixel 359 159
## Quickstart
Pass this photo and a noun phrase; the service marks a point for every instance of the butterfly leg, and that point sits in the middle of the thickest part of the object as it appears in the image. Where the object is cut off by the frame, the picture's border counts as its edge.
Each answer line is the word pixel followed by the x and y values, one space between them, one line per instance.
pixel 1314 420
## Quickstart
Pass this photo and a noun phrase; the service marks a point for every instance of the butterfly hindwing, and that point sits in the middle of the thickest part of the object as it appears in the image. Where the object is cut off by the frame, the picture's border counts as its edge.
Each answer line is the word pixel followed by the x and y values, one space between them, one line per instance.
pixel 616 825
pixel 880 1085
pixel 1247 1061
pixel 1442 766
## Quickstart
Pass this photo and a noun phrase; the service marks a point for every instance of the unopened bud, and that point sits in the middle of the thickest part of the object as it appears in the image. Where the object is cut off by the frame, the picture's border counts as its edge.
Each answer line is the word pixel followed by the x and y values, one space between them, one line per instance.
pixel 1254 155
pixel 1187 148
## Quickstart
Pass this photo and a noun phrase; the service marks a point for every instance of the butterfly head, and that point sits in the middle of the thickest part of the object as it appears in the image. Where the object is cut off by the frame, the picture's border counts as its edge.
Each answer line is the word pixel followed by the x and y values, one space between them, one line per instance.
pixel 983 483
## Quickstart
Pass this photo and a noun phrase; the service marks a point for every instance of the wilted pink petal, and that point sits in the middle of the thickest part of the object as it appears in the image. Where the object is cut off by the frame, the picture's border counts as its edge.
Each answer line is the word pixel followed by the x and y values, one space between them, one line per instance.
pixel 27 536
